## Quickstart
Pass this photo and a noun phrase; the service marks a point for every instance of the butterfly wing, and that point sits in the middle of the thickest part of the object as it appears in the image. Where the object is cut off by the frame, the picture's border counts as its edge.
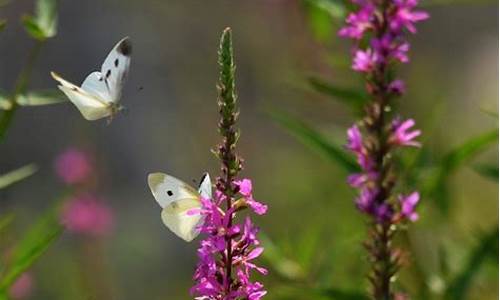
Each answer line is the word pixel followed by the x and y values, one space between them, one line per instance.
pixel 90 105
pixel 115 68
pixel 177 218
pixel 177 199
pixel 205 188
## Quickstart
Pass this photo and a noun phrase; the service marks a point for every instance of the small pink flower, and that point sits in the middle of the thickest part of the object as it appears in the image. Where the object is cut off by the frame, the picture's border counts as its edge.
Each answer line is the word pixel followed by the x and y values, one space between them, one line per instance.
pixel 358 180
pixel 73 166
pixel 406 17
pixel 22 287
pixel 408 205
pixel 354 139
pixel 364 61
pixel 397 87
pixel 86 215
pixel 245 186
pixel 358 23
pixel 401 134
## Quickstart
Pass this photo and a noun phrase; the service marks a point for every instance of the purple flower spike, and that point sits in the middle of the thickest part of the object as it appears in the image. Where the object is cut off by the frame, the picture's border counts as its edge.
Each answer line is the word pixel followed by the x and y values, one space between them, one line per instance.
pixel 401 136
pixel 408 204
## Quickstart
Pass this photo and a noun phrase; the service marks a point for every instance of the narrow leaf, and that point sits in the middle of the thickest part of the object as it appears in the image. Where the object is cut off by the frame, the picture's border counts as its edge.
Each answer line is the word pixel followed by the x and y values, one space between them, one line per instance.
pixel 352 97
pixel 38 98
pixel 46 16
pixel 32 28
pixel 315 140
pixel 488 171
pixel 31 247
pixel 43 24
pixel 487 248
pixel 469 149
pixel 436 186
pixel 283 266
pixel 17 175
pixel 5 104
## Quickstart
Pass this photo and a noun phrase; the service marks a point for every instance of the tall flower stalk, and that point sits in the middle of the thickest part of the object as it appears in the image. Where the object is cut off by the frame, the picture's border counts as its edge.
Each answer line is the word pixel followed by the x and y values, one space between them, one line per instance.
pixel 378 29
pixel 226 254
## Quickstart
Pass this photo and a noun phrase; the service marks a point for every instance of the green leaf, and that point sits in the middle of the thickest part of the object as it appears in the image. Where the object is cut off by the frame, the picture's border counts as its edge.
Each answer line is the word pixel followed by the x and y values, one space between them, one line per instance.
pixel 488 171
pixel 17 175
pixel 465 152
pixel 321 16
pixel 436 182
pixel 31 247
pixel 5 104
pixel 487 248
pixel 38 98
pixel 315 140
pixel 283 266
pixel 32 28
pixel 352 97
pixel 43 24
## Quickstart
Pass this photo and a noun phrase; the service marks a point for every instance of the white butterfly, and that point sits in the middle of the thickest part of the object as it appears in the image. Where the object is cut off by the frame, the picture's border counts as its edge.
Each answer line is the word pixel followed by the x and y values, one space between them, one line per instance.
pixel 100 92
pixel 177 199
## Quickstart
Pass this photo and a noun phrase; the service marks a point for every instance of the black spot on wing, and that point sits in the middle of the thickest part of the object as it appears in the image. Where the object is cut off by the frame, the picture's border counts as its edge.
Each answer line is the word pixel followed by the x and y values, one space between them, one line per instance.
pixel 125 47
pixel 116 62
pixel 202 179
pixel 108 73
pixel 169 193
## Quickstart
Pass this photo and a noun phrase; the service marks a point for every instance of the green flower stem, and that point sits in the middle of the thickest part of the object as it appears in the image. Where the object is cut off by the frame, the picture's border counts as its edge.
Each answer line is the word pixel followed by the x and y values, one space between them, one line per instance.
pixel 20 87
pixel 231 163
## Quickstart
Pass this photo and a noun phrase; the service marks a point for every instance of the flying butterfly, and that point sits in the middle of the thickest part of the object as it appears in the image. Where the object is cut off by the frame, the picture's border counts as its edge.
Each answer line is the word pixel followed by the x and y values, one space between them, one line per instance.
pixel 100 92
pixel 177 198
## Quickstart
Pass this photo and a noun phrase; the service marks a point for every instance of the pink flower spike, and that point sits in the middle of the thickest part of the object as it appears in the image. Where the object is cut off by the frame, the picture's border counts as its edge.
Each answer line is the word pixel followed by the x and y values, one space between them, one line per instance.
pixel 401 136
pixel 87 215
pixel 408 205
pixel 73 166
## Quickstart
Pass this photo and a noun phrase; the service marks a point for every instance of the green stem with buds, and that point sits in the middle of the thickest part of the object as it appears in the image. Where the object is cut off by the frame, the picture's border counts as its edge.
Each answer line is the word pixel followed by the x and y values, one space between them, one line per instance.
pixel 231 163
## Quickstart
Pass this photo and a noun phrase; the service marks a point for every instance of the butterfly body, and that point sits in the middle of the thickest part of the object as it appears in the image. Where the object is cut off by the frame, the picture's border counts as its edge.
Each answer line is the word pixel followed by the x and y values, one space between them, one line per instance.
pixel 100 92
pixel 180 202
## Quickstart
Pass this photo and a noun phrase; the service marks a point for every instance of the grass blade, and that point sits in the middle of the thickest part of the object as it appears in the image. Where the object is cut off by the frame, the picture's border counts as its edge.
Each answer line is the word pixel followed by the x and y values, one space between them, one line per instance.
pixel 487 248
pixel 31 247
pixel 315 140
pixel 17 175
pixel 352 97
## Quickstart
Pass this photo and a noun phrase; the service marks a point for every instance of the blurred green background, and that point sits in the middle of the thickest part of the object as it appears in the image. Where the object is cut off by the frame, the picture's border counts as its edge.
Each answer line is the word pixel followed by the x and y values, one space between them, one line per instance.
pixel 313 233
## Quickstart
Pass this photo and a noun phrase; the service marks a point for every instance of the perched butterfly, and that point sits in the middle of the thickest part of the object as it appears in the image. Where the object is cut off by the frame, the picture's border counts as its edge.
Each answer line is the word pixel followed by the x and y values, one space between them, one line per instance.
pixel 177 199
pixel 100 92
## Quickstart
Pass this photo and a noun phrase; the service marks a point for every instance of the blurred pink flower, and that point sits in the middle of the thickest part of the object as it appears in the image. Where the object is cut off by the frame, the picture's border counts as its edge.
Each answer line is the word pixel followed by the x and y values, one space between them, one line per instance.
pixel 22 287
pixel 73 166
pixel 87 215
pixel 408 205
